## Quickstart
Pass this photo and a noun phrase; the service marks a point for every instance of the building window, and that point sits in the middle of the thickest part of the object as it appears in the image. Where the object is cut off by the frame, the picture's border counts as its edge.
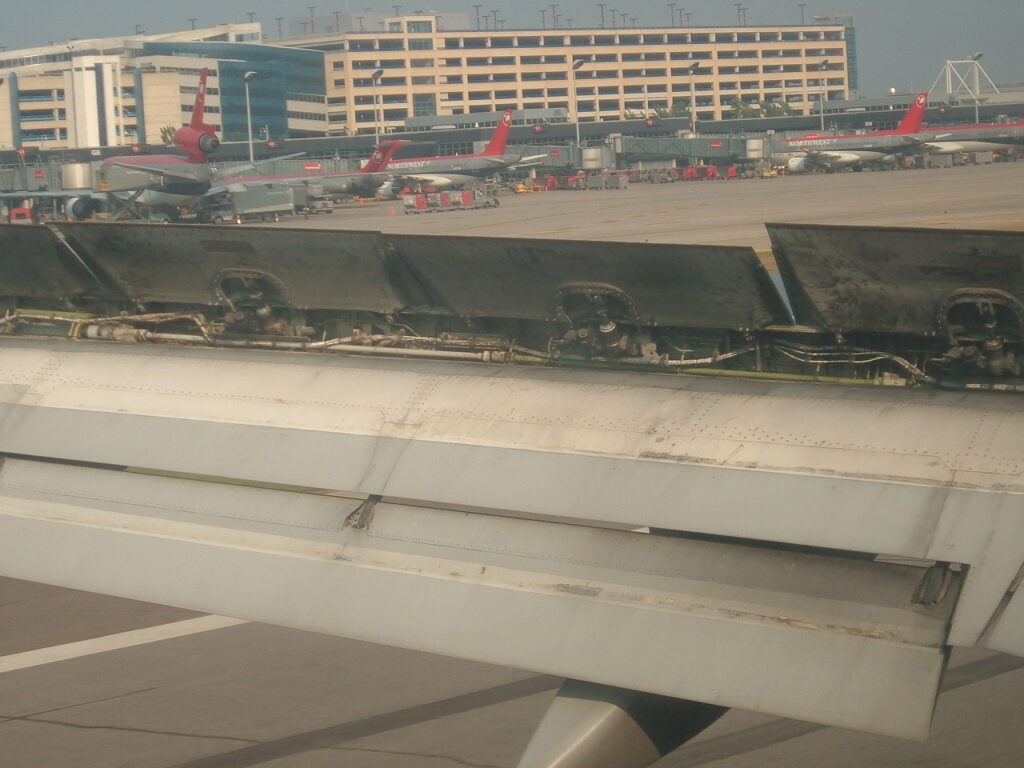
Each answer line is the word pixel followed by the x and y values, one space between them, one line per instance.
pixel 421 62
pixel 424 104
pixel 423 80
pixel 420 27
pixel 421 44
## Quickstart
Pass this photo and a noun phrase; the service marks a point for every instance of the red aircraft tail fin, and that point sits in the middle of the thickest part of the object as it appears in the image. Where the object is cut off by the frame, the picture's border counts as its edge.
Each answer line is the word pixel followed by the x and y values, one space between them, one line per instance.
pixel 381 156
pixel 500 136
pixel 911 122
pixel 199 109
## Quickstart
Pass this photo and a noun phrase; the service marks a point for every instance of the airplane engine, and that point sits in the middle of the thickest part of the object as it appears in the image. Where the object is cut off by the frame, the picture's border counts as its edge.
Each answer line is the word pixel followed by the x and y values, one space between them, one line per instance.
pixel 387 190
pixel 80 208
pixel 796 165
pixel 194 142
pixel 208 143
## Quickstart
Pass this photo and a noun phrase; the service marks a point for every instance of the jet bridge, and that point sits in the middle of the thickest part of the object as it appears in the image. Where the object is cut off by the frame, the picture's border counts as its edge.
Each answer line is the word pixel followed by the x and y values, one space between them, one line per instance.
pixel 623 464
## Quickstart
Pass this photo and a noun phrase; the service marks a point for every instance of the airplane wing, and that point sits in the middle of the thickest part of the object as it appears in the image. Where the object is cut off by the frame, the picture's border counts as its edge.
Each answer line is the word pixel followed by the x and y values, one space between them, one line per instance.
pixel 343 182
pixel 438 180
pixel 832 158
pixel 826 517
pixel 167 171
pixel 235 169
pixel 43 193
pixel 530 160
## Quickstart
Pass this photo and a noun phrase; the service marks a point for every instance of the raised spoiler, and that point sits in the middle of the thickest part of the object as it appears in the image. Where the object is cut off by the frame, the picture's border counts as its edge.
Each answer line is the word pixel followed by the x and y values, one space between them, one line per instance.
pixel 35 264
pixel 511 278
pixel 898 280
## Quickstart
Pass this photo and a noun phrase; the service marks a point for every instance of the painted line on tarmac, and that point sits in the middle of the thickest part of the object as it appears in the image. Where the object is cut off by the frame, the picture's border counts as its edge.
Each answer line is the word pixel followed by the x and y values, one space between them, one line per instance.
pixel 115 642
pixel 334 735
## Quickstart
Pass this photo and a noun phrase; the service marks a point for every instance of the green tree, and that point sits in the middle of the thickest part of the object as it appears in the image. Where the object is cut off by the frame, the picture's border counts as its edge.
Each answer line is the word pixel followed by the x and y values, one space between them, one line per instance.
pixel 680 108
pixel 739 109
pixel 167 135
pixel 776 109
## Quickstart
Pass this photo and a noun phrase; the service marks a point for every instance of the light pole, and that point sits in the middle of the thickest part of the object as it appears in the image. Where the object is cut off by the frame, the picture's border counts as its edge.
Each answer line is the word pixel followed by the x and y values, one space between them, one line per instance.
pixel 374 78
pixel 977 84
pixel 692 71
pixel 802 6
pixel 575 100
pixel 821 82
pixel 248 107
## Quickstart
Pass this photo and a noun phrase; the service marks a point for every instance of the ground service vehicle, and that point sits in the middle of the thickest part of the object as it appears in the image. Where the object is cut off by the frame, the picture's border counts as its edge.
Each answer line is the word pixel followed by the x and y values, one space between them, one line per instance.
pixel 248 205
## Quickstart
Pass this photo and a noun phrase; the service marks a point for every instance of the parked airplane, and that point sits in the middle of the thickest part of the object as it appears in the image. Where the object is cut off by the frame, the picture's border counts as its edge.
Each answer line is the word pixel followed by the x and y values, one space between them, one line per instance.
pixel 169 181
pixel 455 170
pixel 834 152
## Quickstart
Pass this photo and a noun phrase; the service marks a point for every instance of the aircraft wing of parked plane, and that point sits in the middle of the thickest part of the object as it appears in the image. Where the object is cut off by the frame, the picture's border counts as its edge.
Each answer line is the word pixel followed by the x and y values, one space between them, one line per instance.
pixel 364 181
pixel 950 139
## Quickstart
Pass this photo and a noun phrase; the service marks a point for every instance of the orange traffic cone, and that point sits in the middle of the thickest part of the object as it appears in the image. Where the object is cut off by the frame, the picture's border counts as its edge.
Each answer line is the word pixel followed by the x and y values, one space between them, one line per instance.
pixel 393 212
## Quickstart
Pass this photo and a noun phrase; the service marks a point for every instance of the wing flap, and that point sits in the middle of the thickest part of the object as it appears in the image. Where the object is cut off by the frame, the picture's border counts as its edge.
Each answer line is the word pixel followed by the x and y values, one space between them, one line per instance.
pixel 829 640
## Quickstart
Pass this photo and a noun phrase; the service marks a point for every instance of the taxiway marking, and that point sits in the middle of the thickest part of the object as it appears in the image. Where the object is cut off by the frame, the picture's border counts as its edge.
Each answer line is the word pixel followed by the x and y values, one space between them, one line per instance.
pixel 114 642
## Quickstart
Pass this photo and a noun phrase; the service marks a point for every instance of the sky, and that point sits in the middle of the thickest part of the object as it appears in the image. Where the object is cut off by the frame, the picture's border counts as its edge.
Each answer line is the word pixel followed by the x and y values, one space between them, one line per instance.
pixel 901 44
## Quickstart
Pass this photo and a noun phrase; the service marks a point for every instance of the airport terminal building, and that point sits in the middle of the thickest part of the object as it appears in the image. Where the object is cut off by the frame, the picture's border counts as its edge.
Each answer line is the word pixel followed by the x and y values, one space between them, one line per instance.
pixel 325 80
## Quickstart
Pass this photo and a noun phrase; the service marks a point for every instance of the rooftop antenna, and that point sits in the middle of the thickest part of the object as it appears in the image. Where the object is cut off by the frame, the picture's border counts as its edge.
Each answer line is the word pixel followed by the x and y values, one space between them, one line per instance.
pixel 280 29
pixel 312 19
pixel 193 22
